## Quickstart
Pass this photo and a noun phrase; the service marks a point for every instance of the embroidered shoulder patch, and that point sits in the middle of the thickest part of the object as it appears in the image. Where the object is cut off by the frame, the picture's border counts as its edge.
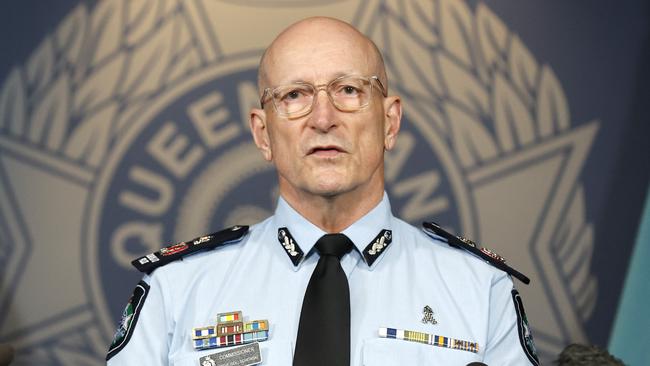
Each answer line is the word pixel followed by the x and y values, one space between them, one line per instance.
pixel 525 335
pixel 129 319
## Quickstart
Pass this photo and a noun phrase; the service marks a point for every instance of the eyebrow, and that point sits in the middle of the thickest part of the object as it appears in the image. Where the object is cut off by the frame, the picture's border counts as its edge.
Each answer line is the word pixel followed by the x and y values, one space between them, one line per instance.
pixel 303 81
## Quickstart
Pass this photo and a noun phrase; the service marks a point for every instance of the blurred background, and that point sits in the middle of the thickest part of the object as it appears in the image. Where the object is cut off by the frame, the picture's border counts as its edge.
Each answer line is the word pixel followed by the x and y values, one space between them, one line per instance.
pixel 123 128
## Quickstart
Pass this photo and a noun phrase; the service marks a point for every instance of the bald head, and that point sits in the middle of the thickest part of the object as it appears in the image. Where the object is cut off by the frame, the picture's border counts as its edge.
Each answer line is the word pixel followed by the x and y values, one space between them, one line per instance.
pixel 330 38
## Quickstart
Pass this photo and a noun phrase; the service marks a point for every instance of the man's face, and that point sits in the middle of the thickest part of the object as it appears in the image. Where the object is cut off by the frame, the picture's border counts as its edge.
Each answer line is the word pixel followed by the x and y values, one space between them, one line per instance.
pixel 326 152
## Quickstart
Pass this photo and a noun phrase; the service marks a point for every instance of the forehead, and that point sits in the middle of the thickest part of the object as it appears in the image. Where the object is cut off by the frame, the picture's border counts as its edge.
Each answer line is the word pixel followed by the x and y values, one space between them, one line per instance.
pixel 318 55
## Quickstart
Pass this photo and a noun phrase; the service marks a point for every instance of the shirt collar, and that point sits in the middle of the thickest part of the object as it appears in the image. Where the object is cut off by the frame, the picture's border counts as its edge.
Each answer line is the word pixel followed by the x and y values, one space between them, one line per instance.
pixel 301 235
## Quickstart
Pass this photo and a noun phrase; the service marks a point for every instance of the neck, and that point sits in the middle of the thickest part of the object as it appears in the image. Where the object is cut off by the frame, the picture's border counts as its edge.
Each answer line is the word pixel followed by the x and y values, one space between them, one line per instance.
pixel 334 213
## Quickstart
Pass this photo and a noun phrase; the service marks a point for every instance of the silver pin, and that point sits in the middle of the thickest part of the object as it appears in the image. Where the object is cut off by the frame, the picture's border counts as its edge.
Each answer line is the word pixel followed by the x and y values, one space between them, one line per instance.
pixel 428 315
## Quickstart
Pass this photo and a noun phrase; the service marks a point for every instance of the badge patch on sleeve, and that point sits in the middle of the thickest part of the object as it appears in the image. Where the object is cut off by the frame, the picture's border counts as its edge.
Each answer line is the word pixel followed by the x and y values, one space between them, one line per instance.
pixel 129 319
pixel 525 335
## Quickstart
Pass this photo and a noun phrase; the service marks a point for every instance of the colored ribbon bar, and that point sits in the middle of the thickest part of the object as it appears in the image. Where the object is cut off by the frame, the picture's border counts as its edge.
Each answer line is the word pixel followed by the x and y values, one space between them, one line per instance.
pixel 232 316
pixel 431 339
pixel 231 340
pixel 230 330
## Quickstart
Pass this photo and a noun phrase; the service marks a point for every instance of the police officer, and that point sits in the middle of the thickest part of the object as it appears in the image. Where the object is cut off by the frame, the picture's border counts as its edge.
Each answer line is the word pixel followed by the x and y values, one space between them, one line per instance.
pixel 375 291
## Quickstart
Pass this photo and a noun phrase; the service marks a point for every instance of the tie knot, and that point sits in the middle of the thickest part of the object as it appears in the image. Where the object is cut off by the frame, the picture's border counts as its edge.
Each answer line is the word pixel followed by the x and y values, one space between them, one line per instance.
pixel 334 244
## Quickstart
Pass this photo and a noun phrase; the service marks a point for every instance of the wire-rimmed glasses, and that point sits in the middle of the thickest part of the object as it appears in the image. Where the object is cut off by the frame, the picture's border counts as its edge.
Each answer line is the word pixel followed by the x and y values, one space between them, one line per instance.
pixel 347 93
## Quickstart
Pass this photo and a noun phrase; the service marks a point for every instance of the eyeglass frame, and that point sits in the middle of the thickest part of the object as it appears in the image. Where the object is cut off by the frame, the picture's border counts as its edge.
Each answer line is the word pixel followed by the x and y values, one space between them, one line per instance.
pixel 318 88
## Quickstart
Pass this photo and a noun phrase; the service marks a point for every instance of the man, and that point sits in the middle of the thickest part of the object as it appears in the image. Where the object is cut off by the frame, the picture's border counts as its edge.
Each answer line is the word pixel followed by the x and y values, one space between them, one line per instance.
pixel 367 297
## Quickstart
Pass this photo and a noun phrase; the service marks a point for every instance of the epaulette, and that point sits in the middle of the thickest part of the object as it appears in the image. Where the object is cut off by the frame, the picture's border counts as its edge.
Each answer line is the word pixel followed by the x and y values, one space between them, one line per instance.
pixel 174 252
pixel 468 245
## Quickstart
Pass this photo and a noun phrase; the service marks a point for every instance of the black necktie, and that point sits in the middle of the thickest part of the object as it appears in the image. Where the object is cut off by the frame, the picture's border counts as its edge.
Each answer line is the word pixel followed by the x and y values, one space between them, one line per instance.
pixel 324 330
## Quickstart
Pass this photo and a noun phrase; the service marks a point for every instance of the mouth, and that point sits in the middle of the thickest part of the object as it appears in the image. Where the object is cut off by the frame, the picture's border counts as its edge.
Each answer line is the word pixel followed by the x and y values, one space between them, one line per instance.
pixel 327 151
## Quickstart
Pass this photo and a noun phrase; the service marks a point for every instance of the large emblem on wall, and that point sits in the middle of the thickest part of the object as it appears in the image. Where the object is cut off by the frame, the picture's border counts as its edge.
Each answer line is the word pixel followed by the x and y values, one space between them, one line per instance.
pixel 126 129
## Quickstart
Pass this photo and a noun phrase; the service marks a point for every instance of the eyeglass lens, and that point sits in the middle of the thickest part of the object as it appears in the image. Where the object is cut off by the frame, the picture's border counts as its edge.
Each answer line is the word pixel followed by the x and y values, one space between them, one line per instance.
pixel 347 94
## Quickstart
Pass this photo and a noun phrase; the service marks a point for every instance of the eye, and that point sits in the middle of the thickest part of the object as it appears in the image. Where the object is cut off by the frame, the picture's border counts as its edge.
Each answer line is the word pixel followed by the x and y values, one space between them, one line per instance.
pixel 347 90
pixel 294 94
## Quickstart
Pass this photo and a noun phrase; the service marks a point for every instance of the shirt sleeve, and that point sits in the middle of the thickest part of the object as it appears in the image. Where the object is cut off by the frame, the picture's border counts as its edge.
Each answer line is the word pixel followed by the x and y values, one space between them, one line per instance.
pixel 509 339
pixel 143 335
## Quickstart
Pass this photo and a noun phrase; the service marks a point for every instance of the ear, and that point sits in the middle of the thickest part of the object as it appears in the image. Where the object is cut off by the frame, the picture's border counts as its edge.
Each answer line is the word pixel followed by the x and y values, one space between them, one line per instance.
pixel 260 132
pixel 392 120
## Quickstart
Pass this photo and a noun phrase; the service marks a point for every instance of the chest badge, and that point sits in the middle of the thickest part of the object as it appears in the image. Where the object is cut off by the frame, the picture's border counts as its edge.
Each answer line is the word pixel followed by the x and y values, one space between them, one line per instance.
pixel 428 315
pixel 246 355
pixel 230 330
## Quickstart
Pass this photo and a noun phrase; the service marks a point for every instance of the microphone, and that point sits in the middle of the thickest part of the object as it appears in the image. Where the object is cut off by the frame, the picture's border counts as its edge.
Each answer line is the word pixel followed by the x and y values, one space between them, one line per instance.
pixel 476 364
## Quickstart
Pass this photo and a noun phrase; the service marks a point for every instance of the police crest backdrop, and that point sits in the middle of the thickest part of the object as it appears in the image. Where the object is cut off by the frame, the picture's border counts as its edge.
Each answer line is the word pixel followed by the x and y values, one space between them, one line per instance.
pixel 123 128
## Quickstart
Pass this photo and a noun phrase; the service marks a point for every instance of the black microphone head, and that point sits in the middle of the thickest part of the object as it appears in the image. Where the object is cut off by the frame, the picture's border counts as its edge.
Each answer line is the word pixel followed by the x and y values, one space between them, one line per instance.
pixel 476 364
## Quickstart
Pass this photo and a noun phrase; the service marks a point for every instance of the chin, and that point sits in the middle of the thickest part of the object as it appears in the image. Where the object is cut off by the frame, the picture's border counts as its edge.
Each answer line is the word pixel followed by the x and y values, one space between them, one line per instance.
pixel 331 189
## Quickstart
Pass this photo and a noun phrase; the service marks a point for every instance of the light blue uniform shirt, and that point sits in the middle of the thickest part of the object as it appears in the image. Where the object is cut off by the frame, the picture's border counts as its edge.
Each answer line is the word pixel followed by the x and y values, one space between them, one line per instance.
pixel 471 300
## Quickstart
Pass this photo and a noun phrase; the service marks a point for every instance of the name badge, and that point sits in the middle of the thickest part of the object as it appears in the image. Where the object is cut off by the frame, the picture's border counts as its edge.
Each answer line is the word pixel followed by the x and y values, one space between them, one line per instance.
pixel 241 356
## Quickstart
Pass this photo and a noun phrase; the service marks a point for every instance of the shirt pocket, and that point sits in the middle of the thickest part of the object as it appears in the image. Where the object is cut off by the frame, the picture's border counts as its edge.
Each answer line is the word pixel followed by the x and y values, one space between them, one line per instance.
pixel 395 352
pixel 276 352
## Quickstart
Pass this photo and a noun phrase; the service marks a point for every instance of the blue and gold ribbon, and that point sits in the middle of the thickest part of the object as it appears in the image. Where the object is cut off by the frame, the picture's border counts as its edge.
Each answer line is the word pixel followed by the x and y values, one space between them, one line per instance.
pixel 431 339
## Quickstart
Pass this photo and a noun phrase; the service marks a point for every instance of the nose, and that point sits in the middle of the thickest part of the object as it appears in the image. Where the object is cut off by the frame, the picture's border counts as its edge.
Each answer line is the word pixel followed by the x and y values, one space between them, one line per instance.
pixel 322 116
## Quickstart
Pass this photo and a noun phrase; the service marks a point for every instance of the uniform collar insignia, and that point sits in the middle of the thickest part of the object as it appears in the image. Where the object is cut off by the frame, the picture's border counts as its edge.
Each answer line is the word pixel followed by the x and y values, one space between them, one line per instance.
pixel 377 246
pixel 290 246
